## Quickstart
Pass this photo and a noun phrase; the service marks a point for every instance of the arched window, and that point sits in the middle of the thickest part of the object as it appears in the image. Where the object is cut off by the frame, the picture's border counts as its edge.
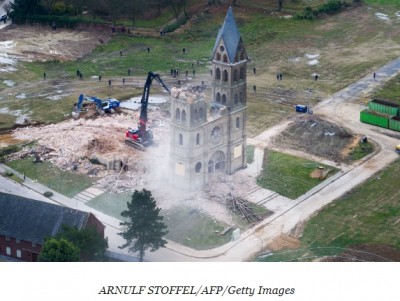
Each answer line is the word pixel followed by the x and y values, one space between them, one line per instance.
pixel 242 73
pixel 218 56
pixel 218 98
pixel 198 139
pixel 218 74
pixel 225 76
pixel 196 116
pixel 224 99
pixel 237 122
pixel 183 115
pixel 236 99
pixel 235 75
pixel 242 55
pixel 201 114
pixel 197 168
pixel 241 98
pixel 177 114
pixel 225 58
pixel 180 139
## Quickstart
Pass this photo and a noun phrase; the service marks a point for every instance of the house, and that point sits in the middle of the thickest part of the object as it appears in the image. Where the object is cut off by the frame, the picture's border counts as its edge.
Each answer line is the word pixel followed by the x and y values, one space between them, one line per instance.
pixel 26 223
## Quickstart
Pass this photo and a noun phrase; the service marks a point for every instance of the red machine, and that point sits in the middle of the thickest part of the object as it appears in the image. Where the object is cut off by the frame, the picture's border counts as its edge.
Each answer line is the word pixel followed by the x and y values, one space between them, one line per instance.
pixel 140 138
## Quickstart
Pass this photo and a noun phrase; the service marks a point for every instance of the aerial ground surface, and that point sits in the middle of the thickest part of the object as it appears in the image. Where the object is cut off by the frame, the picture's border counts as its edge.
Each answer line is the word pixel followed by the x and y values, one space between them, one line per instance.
pixel 337 49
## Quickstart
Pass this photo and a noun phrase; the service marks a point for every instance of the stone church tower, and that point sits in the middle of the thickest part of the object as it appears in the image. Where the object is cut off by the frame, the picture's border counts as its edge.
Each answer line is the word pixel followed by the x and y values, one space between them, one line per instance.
pixel 211 137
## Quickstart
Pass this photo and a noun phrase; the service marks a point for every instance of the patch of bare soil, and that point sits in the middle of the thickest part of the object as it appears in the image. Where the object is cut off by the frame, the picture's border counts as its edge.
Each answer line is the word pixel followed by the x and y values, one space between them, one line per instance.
pixel 312 134
pixel 284 241
pixel 32 43
pixel 369 253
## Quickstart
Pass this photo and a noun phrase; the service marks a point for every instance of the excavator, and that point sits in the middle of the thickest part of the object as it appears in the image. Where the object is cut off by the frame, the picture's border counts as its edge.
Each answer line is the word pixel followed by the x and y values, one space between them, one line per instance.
pixel 141 138
pixel 102 106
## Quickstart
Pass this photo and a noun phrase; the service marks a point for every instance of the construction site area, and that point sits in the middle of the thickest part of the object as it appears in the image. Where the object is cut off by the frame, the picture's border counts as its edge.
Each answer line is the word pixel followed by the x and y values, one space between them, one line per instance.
pixel 199 146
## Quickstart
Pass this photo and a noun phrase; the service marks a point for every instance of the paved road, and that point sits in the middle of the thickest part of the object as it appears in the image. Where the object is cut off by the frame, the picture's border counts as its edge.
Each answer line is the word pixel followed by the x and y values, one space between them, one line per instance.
pixel 339 109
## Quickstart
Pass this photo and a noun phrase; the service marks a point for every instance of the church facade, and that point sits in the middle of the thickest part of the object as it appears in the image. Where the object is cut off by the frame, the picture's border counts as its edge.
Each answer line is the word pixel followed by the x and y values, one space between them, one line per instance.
pixel 210 136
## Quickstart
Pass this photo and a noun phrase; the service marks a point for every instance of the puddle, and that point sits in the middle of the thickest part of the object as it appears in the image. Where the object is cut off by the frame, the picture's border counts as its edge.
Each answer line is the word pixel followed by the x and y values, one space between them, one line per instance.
pixel 311 56
pixel 9 83
pixel 382 16
pixel 8 139
pixel 21 118
pixel 21 96
pixel 134 103
pixel 313 62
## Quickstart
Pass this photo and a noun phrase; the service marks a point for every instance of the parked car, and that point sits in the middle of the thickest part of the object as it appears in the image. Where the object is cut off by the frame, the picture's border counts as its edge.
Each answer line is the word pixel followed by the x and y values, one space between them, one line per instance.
pixel 3 18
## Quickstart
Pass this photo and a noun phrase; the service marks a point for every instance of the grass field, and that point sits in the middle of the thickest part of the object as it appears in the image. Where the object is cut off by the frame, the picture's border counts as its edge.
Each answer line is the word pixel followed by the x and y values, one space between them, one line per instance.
pixel 365 215
pixel 64 182
pixel 288 175
pixel 347 51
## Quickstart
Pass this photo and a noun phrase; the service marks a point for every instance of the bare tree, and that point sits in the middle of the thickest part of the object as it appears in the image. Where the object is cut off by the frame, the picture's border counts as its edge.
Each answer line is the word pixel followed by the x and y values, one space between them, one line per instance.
pixel 177 7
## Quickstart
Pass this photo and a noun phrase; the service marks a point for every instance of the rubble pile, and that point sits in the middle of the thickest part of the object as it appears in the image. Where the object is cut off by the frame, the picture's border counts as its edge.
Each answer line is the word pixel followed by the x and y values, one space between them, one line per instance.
pixel 74 142
pixel 222 187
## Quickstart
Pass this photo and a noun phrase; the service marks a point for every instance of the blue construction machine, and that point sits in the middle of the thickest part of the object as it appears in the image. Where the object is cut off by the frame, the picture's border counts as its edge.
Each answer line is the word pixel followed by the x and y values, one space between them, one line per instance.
pixel 91 102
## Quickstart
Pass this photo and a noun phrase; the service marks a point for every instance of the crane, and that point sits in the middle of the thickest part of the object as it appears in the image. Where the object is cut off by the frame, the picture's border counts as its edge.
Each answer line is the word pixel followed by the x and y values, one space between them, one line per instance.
pixel 140 138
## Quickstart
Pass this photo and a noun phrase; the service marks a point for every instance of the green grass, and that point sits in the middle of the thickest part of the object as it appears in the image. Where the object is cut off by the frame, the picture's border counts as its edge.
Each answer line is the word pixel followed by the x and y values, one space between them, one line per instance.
pixel 390 91
pixel 110 203
pixel 250 153
pixel 193 228
pixel 289 175
pixel 187 226
pixel 64 182
pixel 365 215
pixel 360 151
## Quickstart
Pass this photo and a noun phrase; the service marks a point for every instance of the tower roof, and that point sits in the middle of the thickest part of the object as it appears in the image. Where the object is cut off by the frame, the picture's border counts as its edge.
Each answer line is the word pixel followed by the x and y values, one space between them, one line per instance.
pixel 229 33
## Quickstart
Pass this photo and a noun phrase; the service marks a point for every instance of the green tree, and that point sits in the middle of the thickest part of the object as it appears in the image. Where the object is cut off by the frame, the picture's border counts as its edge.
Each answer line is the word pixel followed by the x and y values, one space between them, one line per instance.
pixel 91 244
pixel 59 250
pixel 144 228
pixel 24 8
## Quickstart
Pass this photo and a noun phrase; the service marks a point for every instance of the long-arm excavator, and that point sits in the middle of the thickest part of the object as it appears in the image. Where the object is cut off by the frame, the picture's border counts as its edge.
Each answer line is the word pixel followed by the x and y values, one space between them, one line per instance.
pixel 140 138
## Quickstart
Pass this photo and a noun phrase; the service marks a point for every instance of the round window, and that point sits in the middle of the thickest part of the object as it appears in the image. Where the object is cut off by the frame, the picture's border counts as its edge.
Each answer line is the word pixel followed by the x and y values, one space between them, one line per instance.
pixel 221 48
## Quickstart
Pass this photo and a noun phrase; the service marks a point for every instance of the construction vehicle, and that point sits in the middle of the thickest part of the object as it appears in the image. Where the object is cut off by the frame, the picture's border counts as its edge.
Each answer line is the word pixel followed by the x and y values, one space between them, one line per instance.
pixel 140 138
pixel 101 106
pixel 397 149
pixel 303 109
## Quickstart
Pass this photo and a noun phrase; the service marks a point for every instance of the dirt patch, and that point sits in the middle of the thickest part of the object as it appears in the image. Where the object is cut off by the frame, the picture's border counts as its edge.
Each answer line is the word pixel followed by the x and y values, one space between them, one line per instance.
pixel 31 43
pixel 369 253
pixel 312 134
pixel 284 242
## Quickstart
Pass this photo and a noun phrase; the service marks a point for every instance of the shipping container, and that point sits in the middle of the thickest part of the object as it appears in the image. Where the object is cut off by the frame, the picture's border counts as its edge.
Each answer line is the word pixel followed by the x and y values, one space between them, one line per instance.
pixel 375 118
pixel 384 106
pixel 394 123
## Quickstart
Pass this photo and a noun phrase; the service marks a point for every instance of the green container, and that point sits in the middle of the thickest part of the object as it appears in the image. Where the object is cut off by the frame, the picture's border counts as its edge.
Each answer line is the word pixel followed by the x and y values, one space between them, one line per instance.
pixel 394 123
pixel 384 106
pixel 372 117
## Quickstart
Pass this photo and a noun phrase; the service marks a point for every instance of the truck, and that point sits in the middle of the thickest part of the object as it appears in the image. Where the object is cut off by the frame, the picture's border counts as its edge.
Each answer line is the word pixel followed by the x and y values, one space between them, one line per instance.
pixel 140 137
pixel 102 106
pixel 303 109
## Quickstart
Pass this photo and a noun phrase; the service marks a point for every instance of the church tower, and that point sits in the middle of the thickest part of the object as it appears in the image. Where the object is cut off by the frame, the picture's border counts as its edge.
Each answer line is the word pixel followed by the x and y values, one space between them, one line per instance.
pixel 229 63
pixel 210 136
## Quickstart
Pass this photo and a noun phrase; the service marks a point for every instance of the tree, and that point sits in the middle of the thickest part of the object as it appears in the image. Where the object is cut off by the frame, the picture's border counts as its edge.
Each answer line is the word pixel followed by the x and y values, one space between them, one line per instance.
pixel 177 7
pixel 24 8
pixel 144 228
pixel 91 244
pixel 59 250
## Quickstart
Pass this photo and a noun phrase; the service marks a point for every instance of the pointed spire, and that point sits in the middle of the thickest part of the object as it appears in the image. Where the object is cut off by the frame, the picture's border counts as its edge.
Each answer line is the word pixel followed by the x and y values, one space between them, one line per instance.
pixel 229 33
